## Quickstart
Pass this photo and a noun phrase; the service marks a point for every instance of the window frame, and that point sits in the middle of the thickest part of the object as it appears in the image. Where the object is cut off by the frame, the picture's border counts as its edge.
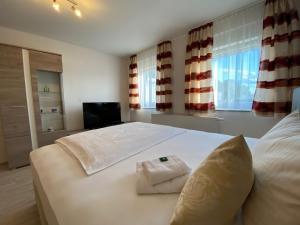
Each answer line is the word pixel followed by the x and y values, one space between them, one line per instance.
pixel 215 80
pixel 147 54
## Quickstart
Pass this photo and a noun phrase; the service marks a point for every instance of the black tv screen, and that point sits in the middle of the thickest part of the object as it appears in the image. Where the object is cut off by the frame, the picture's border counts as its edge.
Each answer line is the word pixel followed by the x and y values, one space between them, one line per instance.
pixel 101 114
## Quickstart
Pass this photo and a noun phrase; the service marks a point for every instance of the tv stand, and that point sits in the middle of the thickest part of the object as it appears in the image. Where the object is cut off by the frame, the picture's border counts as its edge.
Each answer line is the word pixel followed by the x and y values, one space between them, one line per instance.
pixel 108 125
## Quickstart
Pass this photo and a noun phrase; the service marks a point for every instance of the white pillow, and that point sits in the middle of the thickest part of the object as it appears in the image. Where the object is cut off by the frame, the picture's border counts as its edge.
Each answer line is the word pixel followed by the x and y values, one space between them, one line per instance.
pixel 275 197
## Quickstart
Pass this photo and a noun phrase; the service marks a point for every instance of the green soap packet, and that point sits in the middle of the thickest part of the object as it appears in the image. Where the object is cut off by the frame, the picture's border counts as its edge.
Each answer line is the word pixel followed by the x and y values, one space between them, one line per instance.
pixel 163 159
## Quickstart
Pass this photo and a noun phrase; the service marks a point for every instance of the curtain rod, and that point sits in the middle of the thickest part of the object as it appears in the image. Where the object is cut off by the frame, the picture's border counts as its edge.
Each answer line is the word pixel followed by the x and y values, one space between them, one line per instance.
pixel 211 20
pixel 234 11
pixel 219 17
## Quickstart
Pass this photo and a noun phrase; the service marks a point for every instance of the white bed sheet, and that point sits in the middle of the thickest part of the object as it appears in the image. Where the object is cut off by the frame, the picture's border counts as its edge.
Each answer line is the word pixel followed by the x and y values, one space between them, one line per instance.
pixel 69 197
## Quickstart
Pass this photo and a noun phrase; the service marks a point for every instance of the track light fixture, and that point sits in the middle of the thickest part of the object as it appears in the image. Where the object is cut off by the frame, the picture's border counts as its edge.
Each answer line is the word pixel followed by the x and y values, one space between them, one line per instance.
pixel 74 7
pixel 76 11
pixel 56 6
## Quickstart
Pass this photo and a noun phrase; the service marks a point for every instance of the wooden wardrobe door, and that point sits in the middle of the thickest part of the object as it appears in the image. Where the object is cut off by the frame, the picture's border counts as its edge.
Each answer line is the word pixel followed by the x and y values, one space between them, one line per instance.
pixel 13 107
pixel 42 61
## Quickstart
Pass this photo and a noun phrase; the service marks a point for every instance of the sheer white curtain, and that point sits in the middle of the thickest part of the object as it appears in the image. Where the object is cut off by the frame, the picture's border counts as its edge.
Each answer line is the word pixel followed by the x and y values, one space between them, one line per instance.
pixel 146 61
pixel 236 55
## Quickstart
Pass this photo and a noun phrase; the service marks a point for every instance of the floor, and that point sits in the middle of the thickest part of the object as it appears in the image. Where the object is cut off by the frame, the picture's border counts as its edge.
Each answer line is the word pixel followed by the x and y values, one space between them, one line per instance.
pixel 17 203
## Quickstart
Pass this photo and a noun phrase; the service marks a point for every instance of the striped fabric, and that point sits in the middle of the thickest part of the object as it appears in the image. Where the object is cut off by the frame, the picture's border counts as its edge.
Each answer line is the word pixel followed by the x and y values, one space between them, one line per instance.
pixel 198 70
pixel 280 59
pixel 134 100
pixel 163 80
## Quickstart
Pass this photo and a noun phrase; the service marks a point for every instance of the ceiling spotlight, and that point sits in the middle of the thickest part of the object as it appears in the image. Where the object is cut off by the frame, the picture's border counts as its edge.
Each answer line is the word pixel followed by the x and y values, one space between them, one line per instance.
pixel 55 5
pixel 74 7
pixel 77 11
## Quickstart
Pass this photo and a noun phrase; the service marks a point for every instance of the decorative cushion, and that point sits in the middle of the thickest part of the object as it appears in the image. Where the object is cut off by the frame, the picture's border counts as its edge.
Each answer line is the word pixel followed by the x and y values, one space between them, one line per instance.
pixel 215 192
pixel 275 198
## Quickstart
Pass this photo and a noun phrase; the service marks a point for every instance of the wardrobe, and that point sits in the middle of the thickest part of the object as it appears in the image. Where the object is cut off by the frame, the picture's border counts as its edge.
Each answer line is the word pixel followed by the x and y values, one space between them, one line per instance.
pixel 31 103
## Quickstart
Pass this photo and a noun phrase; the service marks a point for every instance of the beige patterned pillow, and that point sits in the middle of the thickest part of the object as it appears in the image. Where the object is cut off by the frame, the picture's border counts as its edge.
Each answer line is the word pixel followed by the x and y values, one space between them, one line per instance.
pixel 216 191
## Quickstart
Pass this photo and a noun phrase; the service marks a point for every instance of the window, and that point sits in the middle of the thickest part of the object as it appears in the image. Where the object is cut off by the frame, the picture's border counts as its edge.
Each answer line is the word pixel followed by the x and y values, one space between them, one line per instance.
pixel 235 77
pixel 147 78
pixel 236 56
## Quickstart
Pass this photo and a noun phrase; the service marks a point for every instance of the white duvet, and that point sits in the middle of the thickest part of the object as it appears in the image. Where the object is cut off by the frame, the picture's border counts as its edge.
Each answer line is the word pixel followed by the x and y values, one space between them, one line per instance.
pixel 108 197
pixel 101 148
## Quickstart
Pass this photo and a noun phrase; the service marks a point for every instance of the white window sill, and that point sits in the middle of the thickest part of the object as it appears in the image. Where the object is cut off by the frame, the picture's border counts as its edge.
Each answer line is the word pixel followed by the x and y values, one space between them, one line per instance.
pixel 234 110
pixel 148 108
pixel 208 116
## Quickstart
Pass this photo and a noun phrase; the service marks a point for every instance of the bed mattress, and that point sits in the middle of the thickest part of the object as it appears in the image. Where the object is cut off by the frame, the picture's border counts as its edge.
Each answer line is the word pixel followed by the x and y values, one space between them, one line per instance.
pixel 69 197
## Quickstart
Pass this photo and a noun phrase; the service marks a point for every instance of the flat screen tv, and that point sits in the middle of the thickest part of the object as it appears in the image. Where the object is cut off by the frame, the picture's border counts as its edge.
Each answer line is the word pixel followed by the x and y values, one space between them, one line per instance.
pixel 101 114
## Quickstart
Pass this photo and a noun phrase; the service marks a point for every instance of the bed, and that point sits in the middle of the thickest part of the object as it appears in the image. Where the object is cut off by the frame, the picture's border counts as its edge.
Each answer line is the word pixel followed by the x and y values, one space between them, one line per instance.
pixel 67 196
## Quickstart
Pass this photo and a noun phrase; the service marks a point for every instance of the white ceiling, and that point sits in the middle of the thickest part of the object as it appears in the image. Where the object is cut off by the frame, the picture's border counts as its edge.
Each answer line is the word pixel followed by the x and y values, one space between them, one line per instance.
pixel 119 27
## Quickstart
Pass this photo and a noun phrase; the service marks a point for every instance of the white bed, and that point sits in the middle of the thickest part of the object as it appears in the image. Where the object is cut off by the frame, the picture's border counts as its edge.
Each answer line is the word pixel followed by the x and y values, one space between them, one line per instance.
pixel 67 196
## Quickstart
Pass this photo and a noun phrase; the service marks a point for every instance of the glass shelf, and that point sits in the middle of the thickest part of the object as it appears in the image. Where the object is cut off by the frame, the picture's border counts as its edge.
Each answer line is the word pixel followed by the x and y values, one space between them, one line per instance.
pixel 49 100
pixel 46 113
pixel 49 92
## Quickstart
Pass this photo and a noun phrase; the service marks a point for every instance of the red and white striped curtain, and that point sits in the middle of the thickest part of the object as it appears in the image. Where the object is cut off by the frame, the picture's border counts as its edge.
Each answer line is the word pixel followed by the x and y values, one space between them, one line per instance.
pixel 134 100
pixel 199 94
pixel 280 59
pixel 163 79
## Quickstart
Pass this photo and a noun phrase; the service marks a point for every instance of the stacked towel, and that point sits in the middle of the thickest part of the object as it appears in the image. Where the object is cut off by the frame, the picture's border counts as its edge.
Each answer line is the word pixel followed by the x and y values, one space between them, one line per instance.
pixel 158 176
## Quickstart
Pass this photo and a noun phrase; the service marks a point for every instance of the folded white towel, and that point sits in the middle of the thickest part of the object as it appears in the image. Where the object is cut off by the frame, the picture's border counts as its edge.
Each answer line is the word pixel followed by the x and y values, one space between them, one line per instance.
pixel 157 171
pixel 144 187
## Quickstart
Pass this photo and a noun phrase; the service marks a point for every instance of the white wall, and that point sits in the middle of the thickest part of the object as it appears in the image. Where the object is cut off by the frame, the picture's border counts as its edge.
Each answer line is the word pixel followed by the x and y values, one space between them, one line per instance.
pixel 208 124
pixel 233 122
pixel 87 75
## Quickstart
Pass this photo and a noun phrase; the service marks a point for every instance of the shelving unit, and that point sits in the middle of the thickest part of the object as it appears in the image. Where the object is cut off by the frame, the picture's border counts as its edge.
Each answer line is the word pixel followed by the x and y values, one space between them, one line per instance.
pixel 50 100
